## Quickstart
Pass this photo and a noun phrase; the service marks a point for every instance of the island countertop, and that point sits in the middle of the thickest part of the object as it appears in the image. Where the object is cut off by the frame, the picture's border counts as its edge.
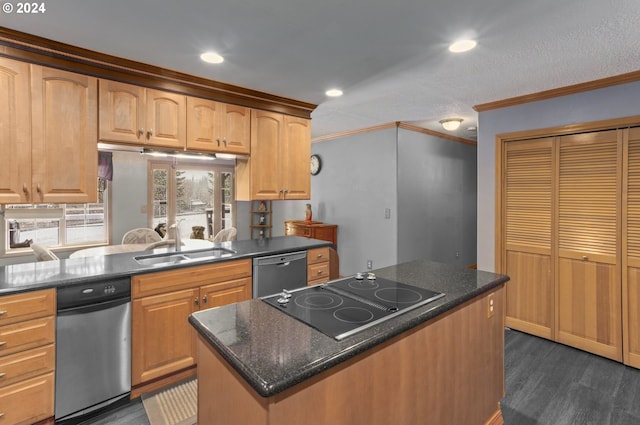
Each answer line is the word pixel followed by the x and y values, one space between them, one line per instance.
pixel 51 274
pixel 274 352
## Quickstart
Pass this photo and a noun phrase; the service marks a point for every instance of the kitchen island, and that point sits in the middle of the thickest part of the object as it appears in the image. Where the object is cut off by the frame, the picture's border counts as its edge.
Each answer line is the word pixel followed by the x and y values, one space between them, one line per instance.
pixel 441 363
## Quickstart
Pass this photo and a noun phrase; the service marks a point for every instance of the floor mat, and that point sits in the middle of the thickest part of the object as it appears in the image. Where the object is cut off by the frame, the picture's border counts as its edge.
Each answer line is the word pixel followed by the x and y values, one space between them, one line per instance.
pixel 176 405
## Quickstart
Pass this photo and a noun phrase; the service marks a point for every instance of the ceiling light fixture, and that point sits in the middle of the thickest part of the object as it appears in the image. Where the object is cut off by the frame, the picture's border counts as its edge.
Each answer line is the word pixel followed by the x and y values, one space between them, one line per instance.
pixel 451 124
pixel 333 92
pixel 211 57
pixel 179 155
pixel 462 46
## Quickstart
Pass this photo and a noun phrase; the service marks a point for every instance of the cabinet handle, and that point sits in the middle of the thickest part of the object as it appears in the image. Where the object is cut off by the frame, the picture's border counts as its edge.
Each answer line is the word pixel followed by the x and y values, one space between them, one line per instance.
pixel 2 343
pixel 204 299
pixel 319 255
pixel 320 271
pixel 196 301
pixel 2 374
pixel 585 258
pixel 3 312
pixel 149 133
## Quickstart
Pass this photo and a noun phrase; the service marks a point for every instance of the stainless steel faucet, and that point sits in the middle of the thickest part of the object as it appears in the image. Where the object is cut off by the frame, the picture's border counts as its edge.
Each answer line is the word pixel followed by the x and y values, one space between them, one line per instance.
pixel 177 237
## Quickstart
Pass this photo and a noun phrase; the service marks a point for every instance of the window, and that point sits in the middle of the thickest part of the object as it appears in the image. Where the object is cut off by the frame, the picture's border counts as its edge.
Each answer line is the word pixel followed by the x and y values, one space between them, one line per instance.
pixel 57 225
pixel 192 194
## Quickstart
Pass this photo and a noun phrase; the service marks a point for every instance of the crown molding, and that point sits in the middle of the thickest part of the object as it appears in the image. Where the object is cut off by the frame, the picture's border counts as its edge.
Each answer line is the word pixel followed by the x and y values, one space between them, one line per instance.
pixel 33 49
pixel 561 91
pixel 397 124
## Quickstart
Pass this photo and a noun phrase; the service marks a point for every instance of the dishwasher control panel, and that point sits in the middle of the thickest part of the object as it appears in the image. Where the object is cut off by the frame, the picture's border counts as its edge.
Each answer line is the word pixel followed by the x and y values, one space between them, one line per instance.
pixel 94 292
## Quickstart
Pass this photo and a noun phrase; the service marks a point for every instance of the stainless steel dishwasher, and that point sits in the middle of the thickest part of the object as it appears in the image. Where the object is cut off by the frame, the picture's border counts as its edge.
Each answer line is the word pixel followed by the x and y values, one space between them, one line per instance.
pixel 93 348
pixel 274 273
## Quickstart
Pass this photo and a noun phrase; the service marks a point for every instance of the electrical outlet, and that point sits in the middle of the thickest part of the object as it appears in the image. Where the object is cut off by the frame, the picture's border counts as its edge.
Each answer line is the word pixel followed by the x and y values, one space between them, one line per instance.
pixel 369 264
pixel 387 213
pixel 490 306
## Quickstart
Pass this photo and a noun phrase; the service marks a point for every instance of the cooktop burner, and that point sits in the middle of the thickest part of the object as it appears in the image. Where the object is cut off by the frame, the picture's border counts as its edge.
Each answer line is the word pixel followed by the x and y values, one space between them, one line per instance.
pixel 342 308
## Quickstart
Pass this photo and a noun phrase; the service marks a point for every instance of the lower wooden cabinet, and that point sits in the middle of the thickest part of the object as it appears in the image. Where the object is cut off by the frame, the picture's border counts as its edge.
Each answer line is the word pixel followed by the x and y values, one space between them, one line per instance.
pixel 318 266
pixel 163 341
pixel 27 357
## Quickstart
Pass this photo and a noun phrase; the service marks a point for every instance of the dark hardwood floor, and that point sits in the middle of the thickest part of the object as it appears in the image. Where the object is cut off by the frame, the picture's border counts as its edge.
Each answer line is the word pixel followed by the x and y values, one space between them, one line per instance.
pixel 546 384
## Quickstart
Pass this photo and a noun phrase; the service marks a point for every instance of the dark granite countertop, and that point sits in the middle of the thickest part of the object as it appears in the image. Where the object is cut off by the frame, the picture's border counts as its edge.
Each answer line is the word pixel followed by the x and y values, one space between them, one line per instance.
pixel 50 274
pixel 273 351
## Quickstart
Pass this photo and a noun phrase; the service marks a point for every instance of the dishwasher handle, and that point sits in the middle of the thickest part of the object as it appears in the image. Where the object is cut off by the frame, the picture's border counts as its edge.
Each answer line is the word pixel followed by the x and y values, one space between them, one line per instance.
pixel 280 260
pixel 83 309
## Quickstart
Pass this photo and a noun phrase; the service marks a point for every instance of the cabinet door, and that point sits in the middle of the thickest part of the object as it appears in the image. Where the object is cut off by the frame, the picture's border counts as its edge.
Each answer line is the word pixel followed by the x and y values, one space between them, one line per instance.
pixel 296 151
pixel 15 132
pixel 224 293
pixel 528 189
pixel 589 196
pixel 64 136
pixel 121 114
pixel 163 341
pixel 266 157
pixel 203 124
pixel 236 129
pixel 166 119
pixel 631 279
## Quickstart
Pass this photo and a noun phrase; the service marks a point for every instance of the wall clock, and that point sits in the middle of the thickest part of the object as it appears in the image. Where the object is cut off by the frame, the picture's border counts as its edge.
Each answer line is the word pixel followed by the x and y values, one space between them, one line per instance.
pixel 316 164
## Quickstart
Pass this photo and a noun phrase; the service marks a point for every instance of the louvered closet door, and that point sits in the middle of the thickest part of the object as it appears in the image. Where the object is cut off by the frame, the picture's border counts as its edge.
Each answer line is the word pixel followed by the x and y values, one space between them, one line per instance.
pixel 527 235
pixel 589 290
pixel 631 298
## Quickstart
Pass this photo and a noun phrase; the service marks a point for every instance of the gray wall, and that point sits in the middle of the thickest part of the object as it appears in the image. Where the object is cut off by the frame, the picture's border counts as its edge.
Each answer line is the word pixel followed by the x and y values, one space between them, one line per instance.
pixel 436 199
pixel 607 103
pixel 129 194
pixel 428 184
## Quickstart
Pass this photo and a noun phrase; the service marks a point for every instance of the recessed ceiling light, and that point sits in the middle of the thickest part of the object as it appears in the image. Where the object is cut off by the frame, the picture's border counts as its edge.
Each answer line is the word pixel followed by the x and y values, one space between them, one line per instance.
pixel 462 46
pixel 333 92
pixel 211 57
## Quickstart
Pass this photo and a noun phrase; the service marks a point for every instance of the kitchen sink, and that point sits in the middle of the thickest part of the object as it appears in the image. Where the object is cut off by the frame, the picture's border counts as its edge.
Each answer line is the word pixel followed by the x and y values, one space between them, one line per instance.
pixel 169 258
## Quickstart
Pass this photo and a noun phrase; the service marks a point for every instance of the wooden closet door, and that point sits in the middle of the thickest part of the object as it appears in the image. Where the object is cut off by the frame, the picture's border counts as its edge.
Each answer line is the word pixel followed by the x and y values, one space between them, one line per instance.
pixel 528 183
pixel 589 225
pixel 631 232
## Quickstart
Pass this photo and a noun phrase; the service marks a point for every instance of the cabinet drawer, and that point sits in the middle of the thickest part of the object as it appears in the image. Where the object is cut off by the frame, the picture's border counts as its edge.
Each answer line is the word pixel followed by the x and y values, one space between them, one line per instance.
pixel 26 335
pixel 26 364
pixel 27 401
pixel 28 305
pixel 318 255
pixel 192 277
pixel 318 271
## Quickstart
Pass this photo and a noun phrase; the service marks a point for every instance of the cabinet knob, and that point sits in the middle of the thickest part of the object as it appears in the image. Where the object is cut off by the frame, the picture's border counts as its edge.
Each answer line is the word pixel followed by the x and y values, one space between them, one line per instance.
pixel 2 374
pixel 149 133
pixel 218 141
pixel 224 141
pixel 140 132
pixel 204 299
pixel 196 301
pixel 38 188
pixel 3 312
pixel 25 189
pixel 585 258
pixel 2 343
pixel 320 255
pixel 320 271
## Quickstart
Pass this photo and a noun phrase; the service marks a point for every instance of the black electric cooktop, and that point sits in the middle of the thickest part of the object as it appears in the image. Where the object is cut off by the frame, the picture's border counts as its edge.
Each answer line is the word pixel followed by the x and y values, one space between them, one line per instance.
pixel 343 307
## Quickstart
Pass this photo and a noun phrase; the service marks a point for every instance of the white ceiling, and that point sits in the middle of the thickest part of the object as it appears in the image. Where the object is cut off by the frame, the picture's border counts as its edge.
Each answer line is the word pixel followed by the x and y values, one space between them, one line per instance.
pixel 389 57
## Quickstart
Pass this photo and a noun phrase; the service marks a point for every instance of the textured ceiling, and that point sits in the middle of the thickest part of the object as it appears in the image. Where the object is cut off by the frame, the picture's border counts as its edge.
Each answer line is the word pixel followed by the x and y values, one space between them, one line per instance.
pixel 390 58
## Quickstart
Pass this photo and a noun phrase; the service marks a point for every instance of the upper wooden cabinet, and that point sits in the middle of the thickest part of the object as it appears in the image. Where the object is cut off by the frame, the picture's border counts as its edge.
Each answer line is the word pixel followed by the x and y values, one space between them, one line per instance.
pixel 279 163
pixel 218 127
pixel 133 114
pixel 48 129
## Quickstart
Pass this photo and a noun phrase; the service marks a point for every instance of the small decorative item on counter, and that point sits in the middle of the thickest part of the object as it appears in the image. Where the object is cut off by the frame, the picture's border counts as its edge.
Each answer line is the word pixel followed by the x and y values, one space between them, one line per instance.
pixel 263 206
pixel 262 219
pixel 308 214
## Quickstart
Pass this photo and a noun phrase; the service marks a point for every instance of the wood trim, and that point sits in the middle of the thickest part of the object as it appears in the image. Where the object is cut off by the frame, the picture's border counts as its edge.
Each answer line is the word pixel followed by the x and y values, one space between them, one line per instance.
pixel 42 51
pixel 564 130
pixel 354 132
pixel 396 124
pixel 629 77
pixel 422 130
pixel 497 418
pixel 151 386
